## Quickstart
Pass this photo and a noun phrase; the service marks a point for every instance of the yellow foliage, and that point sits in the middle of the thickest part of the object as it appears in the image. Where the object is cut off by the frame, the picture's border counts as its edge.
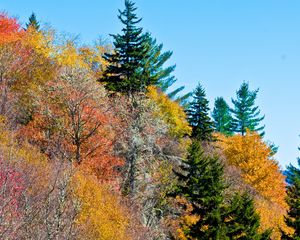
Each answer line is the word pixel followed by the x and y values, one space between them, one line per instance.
pixel 68 56
pixel 101 212
pixel 11 150
pixel 170 112
pixel 24 156
pixel 253 156
pixel 32 67
pixel 94 58
pixel 40 41
pixel 186 220
pixel 271 217
pixel 85 57
pixel 258 168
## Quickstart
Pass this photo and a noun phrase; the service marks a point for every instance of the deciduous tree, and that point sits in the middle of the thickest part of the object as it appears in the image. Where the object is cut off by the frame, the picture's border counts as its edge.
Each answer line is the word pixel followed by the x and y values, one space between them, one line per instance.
pixel 74 121
pixel 253 157
pixel 171 113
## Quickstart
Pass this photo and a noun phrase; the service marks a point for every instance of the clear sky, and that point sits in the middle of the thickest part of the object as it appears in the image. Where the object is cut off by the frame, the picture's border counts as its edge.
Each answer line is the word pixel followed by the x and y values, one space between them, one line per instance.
pixel 219 43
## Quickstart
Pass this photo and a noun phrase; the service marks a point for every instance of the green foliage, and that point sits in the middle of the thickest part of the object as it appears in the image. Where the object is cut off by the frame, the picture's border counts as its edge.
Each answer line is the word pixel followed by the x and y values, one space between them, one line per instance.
pixel 274 148
pixel 245 113
pixel 78 150
pixel 154 63
pixel 242 221
pixel 201 183
pixel 126 63
pixel 198 116
pixel 154 70
pixel 293 200
pixel 222 117
pixel 33 22
pixel 138 61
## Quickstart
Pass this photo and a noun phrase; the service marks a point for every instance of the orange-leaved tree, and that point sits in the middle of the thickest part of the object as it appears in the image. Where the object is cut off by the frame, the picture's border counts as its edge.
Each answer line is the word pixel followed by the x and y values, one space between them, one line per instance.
pixel 74 122
pixel 25 65
pixel 10 29
pixel 259 169
pixel 254 158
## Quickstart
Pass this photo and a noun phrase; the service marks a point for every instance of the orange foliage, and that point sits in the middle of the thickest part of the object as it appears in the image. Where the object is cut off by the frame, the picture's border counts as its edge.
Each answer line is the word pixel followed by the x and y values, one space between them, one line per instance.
pixel 10 29
pixel 254 158
pixel 271 217
pixel 181 226
pixel 73 118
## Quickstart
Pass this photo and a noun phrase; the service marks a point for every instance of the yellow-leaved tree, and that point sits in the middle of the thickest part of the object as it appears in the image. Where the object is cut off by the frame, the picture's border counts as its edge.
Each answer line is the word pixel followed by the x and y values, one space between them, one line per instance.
pixel 260 170
pixel 170 112
pixel 101 214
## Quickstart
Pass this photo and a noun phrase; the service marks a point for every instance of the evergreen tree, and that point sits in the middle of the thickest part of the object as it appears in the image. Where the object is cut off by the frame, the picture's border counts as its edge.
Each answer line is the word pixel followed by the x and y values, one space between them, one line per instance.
pixel 242 221
pixel 138 61
pixel 293 200
pixel 198 115
pixel 201 184
pixel 245 114
pixel 33 22
pixel 273 147
pixel 126 63
pixel 154 68
pixel 222 117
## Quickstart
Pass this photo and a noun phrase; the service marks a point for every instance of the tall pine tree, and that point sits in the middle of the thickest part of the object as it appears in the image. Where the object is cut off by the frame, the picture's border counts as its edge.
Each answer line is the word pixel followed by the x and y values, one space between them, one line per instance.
pixel 200 182
pixel 33 22
pixel 126 63
pixel 155 71
pixel 222 117
pixel 245 114
pixel 198 115
pixel 293 200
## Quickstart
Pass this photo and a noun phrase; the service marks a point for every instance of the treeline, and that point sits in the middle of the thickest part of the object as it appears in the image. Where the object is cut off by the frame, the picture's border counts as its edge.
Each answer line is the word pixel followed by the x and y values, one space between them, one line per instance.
pixel 94 145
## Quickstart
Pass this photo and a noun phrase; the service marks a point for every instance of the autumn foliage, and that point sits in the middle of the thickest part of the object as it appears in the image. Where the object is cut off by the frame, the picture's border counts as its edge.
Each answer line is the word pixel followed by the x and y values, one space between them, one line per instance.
pixel 10 29
pixel 170 112
pixel 261 171
pixel 80 162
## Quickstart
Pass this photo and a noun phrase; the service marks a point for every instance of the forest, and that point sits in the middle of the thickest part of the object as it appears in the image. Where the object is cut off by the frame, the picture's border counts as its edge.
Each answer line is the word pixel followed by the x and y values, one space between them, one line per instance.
pixel 97 143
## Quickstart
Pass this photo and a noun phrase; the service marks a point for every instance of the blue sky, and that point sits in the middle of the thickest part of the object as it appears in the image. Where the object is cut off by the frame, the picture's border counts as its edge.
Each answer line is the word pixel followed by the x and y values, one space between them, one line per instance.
pixel 218 43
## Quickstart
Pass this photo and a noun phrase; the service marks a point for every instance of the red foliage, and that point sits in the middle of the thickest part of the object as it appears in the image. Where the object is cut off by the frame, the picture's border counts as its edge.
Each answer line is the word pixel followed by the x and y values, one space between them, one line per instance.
pixel 73 120
pixel 10 29
pixel 11 188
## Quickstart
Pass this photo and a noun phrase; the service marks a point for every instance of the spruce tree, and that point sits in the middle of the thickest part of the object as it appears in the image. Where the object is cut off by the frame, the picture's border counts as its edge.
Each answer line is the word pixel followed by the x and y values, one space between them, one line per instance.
pixel 245 114
pixel 198 115
pixel 222 117
pixel 33 22
pixel 200 182
pixel 242 221
pixel 126 63
pixel 293 200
